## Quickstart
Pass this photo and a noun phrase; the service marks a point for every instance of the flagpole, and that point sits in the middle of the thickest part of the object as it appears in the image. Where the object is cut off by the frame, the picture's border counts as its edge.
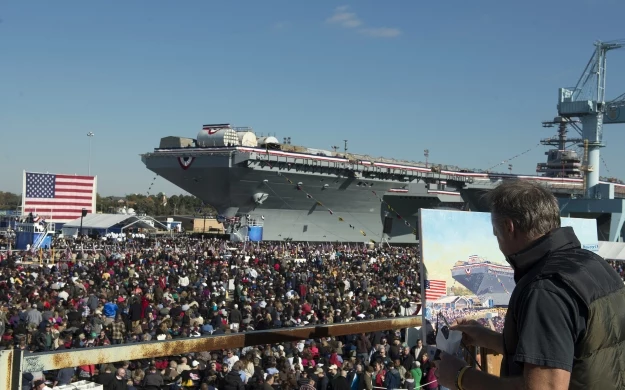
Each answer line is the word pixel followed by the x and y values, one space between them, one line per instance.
pixel 90 135
pixel 23 194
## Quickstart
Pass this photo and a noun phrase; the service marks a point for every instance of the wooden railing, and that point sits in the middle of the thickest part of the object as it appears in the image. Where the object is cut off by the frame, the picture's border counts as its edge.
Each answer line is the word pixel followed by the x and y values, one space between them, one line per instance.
pixel 14 362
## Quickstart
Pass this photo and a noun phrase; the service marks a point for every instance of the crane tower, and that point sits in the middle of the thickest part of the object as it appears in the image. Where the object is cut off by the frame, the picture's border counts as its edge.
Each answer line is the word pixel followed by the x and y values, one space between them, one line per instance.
pixel 586 101
pixel 584 108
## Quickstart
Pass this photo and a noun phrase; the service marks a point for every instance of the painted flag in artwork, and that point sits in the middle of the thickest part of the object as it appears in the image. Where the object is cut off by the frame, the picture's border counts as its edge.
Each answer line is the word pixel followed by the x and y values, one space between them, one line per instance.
pixel 434 289
pixel 56 197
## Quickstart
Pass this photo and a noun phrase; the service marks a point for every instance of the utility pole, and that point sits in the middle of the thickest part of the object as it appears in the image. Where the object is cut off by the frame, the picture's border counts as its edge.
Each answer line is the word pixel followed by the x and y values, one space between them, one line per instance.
pixel 90 135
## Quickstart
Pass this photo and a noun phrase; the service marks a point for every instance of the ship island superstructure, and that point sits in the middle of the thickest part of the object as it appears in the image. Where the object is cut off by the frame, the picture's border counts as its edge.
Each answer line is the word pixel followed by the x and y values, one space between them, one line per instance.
pixel 486 279
pixel 256 181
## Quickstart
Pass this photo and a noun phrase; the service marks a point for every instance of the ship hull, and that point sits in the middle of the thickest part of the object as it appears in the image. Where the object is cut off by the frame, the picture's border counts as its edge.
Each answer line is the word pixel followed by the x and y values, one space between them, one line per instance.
pixel 487 281
pixel 253 177
pixel 304 206
pixel 484 284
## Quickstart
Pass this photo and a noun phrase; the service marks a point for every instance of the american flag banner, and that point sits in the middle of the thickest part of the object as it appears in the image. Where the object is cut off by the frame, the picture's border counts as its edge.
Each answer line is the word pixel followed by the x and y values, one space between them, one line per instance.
pixel 56 197
pixel 434 289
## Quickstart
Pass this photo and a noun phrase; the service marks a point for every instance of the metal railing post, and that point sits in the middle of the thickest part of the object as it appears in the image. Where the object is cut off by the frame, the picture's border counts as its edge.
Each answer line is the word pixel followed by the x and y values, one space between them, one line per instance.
pixel 11 369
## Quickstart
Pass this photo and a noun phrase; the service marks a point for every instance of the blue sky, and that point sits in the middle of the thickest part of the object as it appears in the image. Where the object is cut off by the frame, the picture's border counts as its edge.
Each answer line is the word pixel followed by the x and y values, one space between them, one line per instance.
pixel 451 236
pixel 470 81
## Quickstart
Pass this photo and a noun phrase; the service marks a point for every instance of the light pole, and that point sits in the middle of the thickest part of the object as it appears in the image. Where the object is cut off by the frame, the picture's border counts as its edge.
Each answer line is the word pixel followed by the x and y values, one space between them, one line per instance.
pixel 90 135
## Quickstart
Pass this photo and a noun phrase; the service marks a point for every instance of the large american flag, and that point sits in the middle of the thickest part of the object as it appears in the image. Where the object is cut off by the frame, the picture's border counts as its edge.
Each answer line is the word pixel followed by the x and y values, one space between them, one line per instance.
pixel 58 198
pixel 435 289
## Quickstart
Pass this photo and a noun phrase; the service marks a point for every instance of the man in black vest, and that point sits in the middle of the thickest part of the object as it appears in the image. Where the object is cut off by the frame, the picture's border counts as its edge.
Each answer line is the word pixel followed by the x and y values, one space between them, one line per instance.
pixel 565 325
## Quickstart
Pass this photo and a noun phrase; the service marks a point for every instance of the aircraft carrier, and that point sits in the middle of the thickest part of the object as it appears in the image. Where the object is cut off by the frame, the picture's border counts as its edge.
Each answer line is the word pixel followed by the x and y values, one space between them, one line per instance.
pixel 485 279
pixel 271 190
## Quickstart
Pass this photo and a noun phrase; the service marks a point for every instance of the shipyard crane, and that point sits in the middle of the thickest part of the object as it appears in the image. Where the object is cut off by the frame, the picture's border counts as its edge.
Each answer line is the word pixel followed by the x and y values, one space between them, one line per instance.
pixel 586 101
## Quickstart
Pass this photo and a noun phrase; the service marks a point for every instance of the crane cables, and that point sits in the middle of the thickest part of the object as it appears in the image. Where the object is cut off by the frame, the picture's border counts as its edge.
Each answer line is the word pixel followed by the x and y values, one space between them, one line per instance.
pixel 605 165
pixel 506 161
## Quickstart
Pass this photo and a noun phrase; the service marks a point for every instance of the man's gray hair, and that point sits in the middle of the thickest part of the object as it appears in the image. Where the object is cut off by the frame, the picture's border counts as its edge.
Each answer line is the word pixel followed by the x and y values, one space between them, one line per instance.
pixel 532 208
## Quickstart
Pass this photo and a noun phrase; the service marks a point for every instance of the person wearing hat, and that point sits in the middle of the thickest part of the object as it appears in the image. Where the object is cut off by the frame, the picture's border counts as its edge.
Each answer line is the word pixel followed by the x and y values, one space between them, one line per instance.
pixel 192 376
pixel 333 371
pixel 321 379
pixel 45 339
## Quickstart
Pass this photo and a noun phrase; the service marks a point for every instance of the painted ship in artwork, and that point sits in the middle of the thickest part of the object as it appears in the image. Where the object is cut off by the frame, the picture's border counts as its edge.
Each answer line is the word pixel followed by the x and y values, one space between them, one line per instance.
pixel 483 277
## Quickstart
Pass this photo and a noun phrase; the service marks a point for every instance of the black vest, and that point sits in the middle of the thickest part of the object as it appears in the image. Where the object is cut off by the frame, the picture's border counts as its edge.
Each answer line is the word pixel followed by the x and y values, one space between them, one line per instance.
pixel 599 361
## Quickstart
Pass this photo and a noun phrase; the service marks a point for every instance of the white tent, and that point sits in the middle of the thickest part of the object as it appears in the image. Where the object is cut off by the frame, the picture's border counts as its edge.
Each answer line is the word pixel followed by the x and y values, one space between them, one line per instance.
pixel 104 223
pixel 612 250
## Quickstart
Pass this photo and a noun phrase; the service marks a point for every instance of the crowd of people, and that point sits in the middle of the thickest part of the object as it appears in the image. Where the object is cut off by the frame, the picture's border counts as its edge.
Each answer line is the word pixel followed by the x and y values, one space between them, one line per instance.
pixel 619 266
pixel 88 295
pixel 175 288
pixel 492 318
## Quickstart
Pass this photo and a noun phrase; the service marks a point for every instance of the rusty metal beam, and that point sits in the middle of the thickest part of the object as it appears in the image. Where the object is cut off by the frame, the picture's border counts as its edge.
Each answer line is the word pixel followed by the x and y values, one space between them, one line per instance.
pixel 10 374
pixel 78 357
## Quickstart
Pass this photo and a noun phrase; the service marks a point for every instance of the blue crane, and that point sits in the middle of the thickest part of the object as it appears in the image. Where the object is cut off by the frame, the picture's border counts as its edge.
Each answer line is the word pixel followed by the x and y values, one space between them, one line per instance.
pixel 586 101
